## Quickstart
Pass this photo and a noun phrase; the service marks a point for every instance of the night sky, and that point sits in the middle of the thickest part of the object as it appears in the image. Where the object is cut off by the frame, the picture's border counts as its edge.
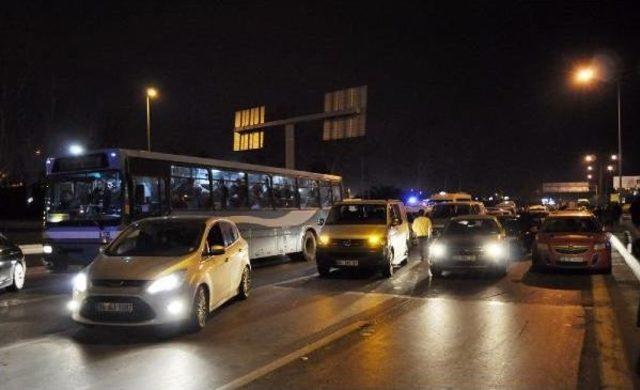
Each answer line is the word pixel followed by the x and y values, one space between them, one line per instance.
pixel 470 95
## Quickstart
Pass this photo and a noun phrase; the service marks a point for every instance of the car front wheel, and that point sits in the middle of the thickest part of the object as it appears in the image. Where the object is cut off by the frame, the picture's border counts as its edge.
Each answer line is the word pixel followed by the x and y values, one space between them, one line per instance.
pixel 19 274
pixel 387 268
pixel 200 310
pixel 245 284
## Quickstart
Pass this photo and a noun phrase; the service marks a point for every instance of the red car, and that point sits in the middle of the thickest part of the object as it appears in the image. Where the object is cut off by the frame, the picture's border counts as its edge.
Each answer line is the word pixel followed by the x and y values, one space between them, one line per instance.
pixel 572 240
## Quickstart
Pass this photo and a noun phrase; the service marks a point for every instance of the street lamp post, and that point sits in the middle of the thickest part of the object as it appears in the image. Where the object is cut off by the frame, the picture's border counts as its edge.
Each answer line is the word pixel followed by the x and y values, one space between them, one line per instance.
pixel 586 75
pixel 151 93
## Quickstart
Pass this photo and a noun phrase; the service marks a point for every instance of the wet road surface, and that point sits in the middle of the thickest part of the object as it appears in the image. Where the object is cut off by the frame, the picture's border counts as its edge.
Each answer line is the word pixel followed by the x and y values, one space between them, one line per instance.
pixel 524 330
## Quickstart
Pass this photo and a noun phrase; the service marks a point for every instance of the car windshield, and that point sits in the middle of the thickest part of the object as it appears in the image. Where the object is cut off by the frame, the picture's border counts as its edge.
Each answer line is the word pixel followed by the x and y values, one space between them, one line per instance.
pixel 445 210
pixel 358 214
pixel 571 225
pixel 158 238
pixel 85 199
pixel 471 227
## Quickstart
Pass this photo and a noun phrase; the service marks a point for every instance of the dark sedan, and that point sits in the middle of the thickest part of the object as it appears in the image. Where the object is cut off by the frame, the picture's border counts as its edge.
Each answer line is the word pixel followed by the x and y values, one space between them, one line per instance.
pixel 13 267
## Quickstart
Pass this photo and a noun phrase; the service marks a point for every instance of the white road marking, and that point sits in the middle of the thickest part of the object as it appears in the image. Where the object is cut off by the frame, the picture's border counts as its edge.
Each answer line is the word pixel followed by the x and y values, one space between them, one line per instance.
pixel 293 356
pixel 631 261
pixel 10 302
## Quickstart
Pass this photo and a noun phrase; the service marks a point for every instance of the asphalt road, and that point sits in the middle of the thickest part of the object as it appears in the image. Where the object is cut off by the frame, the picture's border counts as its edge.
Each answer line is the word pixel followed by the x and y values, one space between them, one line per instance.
pixel 524 330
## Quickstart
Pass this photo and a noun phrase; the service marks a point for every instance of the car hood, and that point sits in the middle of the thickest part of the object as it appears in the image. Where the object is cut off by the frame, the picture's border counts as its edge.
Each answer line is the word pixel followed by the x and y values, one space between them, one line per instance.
pixel 134 267
pixel 574 239
pixel 475 240
pixel 354 231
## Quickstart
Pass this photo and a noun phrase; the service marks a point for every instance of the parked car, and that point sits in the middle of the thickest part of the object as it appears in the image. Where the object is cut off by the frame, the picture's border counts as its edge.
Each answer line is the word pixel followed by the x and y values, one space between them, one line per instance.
pixel 13 268
pixel 442 212
pixel 498 212
pixel 164 270
pixel 364 234
pixel 474 242
pixel 572 240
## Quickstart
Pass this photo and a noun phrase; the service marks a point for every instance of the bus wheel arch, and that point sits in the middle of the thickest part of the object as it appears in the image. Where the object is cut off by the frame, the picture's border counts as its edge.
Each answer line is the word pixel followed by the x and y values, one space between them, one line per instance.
pixel 308 246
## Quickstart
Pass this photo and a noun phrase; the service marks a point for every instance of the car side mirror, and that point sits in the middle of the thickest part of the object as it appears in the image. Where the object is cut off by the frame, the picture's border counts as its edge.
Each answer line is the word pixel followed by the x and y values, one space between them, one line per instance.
pixel 216 250
pixel 320 221
pixel 395 222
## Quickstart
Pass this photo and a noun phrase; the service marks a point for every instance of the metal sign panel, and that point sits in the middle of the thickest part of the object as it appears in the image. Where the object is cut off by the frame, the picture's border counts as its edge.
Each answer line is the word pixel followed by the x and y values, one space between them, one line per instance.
pixel 566 187
pixel 628 182
pixel 347 126
pixel 248 140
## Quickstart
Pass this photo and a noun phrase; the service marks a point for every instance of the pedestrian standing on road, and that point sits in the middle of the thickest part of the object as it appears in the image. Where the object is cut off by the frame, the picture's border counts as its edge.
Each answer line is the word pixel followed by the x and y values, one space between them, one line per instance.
pixel 616 213
pixel 634 210
pixel 422 229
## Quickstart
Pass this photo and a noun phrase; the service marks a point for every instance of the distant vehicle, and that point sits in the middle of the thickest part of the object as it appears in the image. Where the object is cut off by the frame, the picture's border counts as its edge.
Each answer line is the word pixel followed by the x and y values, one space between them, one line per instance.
pixel 498 212
pixel 537 208
pixel 13 268
pixel 572 240
pixel 164 270
pixel 93 196
pixel 510 206
pixel 442 212
pixel 516 235
pixel 449 197
pixel 364 234
pixel 470 242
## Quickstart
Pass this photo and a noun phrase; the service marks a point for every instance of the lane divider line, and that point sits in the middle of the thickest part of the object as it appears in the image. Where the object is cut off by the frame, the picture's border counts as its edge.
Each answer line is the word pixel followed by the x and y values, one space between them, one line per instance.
pixel 631 261
pixel 612 362
pixel 293 356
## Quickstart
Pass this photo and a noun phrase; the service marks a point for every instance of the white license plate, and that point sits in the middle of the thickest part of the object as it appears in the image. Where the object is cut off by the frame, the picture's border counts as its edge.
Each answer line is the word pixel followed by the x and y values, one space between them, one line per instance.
pixel 348 263
pixel 464 257
pixel 571 259
pixel 115 307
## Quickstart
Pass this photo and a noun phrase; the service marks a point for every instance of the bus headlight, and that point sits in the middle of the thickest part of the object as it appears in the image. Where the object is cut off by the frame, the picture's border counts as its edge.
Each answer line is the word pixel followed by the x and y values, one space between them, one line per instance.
pixel 495 250
pixel 324 239
pixel 80 283
pixel 166 283
pixel 47 249
pixel 437 249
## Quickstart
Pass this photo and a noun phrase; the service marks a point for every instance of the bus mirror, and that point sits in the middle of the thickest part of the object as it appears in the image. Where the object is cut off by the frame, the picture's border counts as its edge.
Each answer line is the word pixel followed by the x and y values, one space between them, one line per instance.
pixel 320 221
pixel 139 194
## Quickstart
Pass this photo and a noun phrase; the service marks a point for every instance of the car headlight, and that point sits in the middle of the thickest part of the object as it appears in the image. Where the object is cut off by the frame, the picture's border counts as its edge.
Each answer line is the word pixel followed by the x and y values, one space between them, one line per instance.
pixel 437 249
pixel 375 240
pixel 495 250
pixel 542 247
pixel 47 249
pixel 324 239
pixel 166 283
pixel 600 246
pixel 80 282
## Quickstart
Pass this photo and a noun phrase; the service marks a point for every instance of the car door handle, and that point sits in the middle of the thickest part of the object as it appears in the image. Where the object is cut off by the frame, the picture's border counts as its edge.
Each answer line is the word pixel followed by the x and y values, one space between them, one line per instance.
pixel 226 260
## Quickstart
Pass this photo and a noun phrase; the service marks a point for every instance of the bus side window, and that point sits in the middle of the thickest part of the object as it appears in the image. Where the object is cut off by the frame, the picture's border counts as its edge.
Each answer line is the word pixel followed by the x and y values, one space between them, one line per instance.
pixel 149 196
pixel 229 189
pixel 309 193
pixel 336 191
pixel 190 188
pixel 325 194
pixel 284 192
pixel 259 191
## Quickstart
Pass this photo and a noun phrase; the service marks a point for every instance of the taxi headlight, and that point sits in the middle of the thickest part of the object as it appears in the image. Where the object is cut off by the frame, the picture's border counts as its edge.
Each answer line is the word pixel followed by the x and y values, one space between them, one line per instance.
pixel 495 250
pixel 80 282
pixel 375 240
pixel 166 283
pixel 324 239
pixel 437 249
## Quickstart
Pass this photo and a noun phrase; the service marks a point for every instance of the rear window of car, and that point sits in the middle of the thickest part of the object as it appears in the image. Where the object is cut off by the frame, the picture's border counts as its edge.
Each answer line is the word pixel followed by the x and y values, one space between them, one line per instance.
pixel 445 210
pixel 570 225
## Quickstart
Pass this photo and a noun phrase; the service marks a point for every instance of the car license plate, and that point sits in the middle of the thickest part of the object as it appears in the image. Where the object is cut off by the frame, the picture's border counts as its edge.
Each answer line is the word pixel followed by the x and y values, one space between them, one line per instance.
pixel 115 307
pixel 348 263
pixel 464 257
pixel 571 259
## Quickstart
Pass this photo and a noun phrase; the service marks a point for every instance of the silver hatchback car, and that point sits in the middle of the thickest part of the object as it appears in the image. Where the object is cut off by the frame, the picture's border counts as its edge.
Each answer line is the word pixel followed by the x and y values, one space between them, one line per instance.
pixel 163 270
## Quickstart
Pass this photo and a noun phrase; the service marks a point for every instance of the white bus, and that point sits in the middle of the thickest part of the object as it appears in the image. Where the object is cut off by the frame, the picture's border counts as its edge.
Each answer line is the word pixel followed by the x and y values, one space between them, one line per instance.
pixel 92 197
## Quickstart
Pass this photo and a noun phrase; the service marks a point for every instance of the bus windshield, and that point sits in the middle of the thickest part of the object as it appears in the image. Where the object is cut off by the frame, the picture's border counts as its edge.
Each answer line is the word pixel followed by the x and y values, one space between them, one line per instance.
pixel 86 198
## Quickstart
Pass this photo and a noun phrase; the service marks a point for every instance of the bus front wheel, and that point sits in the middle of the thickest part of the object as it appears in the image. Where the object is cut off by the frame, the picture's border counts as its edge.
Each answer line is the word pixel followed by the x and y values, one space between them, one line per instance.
pixel 309 247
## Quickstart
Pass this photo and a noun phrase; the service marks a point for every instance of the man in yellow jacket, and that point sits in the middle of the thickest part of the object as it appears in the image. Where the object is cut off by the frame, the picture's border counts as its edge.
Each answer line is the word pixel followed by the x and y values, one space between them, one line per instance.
pixel 422 229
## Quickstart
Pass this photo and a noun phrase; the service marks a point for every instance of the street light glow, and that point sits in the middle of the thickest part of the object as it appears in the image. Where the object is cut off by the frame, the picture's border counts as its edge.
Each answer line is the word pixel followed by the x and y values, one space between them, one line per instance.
pixel 589 168
pixel 584 75
pixel 152 92
pixel 610 168
pixel 589 158
pixel 614 157
pixel 76 149
pixel 589 176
